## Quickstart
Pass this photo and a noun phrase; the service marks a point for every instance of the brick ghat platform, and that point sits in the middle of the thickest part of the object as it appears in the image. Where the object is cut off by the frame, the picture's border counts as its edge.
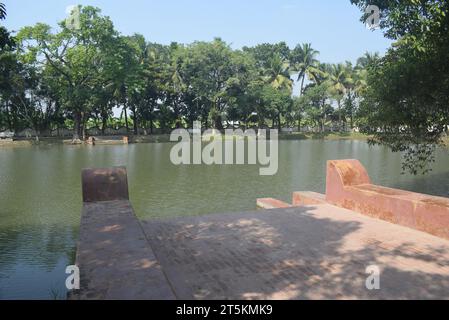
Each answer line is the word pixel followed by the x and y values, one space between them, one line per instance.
pixel 311 249
pixel 114 256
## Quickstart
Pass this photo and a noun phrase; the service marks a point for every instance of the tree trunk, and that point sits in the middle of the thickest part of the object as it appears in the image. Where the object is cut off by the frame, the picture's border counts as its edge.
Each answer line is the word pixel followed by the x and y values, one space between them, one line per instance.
pixel 126 118
pixel 76 127
pixel 218 123
pixel 15 122
pixel 302 84
pixel 351 116
pixel 104 121
pixel 37 134
pixel 8 118
pixel 83 127
pixel 135 124
pixel 339 115
pixel 323 118
pixel 279 122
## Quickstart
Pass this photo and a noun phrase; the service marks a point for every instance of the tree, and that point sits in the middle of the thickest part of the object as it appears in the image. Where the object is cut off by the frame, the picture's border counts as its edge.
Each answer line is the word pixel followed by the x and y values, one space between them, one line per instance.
pixel 315 103
pixel 263 53
pixel 367 60
pixel 175 86
pixel 8 71
pixel 277 74
pixel 2 11
pixel 244 90
pixel 304 62
pixel 26 93
pixel 76 57
pixel 210 70
pixel 340 82
pixel 78 76
pixel 406 102
pixel 278 103
pixel 125 73
pixel 155 61
pixel 271 85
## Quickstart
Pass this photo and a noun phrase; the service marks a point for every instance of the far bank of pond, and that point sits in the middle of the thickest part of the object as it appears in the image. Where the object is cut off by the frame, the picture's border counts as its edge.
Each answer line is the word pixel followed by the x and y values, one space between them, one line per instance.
pixel 161 138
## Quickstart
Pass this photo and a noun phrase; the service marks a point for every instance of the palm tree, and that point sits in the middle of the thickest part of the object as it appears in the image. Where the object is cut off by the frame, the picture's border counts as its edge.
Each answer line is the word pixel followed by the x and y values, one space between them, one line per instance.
pixel 2 11
pixel 278 74
pixel 305 63
pixel 367 60
pixel 340 82
pixel 360 80
pixel 359 76
pixel 177 87
pixel 322 73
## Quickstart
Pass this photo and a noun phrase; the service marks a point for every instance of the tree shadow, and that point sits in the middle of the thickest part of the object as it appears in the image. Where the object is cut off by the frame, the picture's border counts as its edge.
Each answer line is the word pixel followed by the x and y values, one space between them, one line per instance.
pixel 295 254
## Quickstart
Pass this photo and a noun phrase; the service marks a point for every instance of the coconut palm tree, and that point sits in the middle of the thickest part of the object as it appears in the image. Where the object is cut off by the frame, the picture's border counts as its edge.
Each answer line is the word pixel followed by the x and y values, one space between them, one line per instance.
pixel 2 11
pixel 360 80
pixel 305 63
pixel 340 82
pixel 367 60
pixel 322 75
pixel 277 74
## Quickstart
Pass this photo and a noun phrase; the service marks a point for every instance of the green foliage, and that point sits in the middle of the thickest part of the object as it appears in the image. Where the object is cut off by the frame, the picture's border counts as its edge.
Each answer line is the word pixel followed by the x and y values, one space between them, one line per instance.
pixel 305 63
pixel 80 77
pixel 315 104
pixel 2 11
pixel 406 101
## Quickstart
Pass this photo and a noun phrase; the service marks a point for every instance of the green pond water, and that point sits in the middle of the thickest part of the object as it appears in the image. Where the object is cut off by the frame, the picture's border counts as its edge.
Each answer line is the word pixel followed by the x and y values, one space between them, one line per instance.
pixel 40 195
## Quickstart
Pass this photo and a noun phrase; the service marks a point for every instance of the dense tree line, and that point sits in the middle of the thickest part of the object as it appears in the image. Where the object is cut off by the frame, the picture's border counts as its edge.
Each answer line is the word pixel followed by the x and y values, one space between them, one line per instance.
pixel 76 76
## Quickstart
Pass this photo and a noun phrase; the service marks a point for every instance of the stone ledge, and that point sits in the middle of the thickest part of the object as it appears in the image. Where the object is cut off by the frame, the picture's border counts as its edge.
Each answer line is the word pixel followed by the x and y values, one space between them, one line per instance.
pixel 304 198
pixel 271 203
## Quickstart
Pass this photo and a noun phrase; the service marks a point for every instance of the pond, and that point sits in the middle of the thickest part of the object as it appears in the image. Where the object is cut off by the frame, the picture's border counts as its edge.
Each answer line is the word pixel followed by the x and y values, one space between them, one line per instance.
pixel 40 195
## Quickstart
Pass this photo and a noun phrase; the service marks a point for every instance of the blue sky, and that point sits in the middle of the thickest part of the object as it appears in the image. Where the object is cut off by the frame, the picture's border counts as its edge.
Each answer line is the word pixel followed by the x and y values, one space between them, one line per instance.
pixel 332 26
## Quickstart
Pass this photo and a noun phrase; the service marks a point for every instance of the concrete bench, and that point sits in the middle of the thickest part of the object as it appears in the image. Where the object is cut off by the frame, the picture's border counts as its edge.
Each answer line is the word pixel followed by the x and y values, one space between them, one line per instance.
pixel 349 186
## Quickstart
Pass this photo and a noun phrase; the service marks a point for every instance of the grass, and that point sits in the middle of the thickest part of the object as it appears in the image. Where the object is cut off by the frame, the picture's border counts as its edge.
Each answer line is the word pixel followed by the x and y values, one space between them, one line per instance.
pixel 12 144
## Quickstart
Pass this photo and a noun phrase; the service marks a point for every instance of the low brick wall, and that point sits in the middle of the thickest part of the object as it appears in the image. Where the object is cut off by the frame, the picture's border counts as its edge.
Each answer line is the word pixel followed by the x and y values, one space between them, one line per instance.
pixel 104 184
pixel 305 198
pixel 349 186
